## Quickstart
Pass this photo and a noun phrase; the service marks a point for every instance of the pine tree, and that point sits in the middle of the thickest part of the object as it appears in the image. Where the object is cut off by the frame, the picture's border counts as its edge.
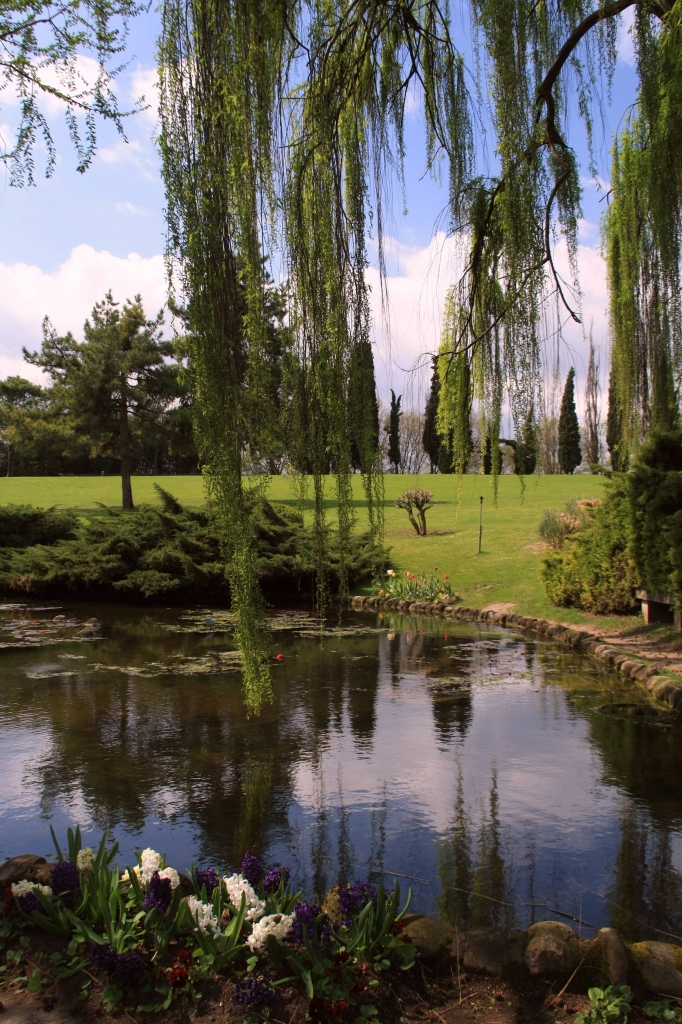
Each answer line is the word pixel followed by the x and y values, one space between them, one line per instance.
pixel 615 441
pixel 116 377
pixel 394 431
pixel 570 455
pixel 592 417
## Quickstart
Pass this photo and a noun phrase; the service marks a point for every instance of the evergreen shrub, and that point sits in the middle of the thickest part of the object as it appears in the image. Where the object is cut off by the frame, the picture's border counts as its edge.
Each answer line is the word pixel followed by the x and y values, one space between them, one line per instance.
pixel 21 526
pixel 595 569
pixel 171 551
pixel 656 498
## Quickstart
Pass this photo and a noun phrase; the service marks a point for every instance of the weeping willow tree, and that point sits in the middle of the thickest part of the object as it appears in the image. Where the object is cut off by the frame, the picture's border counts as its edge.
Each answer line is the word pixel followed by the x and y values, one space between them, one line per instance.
pixel 282 131
pixel 642 240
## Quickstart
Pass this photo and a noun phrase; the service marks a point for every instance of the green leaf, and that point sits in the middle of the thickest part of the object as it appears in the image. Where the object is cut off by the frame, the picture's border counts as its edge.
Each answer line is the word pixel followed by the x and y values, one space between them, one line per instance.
pixel 35 982
pixel 111 995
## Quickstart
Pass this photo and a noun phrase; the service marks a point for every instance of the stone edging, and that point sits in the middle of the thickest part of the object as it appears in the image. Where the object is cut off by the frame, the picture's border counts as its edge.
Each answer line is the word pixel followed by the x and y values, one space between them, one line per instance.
pixel 641 671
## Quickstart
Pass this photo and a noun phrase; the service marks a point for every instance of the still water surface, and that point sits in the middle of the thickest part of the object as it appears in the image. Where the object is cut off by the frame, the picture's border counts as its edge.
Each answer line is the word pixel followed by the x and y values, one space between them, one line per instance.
pixel 467 757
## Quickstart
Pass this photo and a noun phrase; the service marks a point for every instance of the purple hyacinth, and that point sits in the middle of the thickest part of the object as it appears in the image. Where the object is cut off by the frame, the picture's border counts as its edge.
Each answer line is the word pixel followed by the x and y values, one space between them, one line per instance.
pixel 207 877
pixel 29 902
pixel 129 968
pixel 274 877
pixel 305 914
pixel 159 894
pixel 125 968
pixel 65 878
pixel 104 956
pixel 252 869
pixel 254 990
pixel 352 898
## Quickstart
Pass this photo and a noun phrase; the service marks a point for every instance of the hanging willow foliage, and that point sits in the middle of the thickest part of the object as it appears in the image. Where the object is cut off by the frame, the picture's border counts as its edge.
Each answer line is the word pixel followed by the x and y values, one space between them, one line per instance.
pixel 283 125
pixel 642 240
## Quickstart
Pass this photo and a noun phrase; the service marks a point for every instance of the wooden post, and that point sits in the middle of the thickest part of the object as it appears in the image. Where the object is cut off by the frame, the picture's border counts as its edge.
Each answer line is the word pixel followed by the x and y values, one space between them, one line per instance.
pixel 480 525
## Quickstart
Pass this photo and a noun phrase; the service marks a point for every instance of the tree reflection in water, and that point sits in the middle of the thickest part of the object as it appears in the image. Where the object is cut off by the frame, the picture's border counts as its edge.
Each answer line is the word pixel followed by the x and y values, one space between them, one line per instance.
pixel 362 766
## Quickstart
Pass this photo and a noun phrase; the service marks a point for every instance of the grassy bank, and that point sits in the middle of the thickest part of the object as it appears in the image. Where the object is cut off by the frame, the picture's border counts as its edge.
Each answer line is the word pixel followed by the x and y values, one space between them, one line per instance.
pixel 506 571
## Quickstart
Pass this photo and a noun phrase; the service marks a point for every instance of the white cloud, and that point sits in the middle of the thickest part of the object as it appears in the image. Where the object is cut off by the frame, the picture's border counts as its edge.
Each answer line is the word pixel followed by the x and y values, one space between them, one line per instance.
pixel 128 207
pixel 417 286
pixel 135 153
pixel 27 294
pixel 625 44
pixel 144 84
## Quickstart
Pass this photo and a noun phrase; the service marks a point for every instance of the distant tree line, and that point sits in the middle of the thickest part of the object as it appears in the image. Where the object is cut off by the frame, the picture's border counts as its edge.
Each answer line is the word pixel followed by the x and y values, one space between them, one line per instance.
pixel 120 401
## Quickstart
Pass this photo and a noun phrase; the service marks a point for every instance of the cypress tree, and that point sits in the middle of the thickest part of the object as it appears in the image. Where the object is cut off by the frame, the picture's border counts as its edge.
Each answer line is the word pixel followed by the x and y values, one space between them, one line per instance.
pixel 570 455
pixel 487 456
pixel 526 450
pixel 363 407
pixel 437 447
pixel 394 431
pixel 431 439
pixel 615 441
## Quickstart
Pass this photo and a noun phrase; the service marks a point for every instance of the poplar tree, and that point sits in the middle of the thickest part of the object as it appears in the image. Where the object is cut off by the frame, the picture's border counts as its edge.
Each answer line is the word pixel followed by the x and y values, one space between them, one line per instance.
pixel 592 416
pixel 570 455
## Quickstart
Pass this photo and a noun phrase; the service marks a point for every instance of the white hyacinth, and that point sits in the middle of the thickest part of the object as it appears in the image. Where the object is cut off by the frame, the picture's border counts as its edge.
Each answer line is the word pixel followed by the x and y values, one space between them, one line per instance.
pixel 149 863
pixel 85 860
pixel 173 875
pixel 278 925
pixel 236 885
pixel 202 914
pixel 24 887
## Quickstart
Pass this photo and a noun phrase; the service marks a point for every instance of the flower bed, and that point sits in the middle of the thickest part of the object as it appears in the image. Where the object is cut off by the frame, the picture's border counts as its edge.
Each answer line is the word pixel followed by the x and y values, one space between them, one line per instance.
pixel 411 587
pixel 155 935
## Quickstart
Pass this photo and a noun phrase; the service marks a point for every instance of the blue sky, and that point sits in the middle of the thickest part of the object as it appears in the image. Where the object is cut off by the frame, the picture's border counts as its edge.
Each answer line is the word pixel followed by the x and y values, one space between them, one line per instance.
pixel 69 239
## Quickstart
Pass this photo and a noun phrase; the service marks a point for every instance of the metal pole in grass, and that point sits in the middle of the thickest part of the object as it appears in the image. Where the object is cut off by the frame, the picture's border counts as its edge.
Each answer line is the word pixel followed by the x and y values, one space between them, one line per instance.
pixel 480 525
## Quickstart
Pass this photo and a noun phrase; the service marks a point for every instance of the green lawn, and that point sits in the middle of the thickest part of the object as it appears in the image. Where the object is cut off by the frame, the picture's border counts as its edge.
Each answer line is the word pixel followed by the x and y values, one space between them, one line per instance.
pixel 506 571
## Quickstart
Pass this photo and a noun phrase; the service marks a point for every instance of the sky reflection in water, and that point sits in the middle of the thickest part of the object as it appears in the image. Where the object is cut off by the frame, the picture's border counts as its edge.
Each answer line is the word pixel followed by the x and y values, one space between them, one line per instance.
pixel 506 795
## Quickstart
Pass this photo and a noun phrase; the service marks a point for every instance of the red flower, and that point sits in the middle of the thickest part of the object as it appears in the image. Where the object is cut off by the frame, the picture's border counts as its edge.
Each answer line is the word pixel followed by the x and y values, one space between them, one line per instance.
pixel 183 956
pixel 178 977
pixel 359 986
pixel 317 1009
pixel 340 957
pixel 397 926
pixel 337 1009
pixel 279 657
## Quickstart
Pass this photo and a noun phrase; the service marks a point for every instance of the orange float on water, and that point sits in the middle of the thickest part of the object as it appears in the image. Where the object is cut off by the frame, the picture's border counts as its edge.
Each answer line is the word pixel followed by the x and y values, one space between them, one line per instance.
pixel 280 657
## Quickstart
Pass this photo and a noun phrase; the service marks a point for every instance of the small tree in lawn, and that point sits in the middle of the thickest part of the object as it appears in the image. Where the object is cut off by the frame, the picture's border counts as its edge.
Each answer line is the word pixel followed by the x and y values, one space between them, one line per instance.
pixel 570 455
pixel 419 501
pixel 394 431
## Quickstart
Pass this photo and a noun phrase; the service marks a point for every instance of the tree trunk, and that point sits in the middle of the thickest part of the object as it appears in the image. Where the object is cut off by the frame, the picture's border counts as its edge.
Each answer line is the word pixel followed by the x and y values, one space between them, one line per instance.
pixel 10 467
pixel 422 522
pixel 126 486
pixel 413 520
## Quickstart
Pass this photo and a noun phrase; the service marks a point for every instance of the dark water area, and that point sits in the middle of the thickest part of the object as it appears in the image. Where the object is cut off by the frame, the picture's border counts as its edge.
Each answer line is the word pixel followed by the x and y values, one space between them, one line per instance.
pixel 471 758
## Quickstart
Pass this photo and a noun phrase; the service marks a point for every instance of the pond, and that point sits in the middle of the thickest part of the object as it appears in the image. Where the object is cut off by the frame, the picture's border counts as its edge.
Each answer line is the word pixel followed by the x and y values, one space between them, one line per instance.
pixel 474 763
